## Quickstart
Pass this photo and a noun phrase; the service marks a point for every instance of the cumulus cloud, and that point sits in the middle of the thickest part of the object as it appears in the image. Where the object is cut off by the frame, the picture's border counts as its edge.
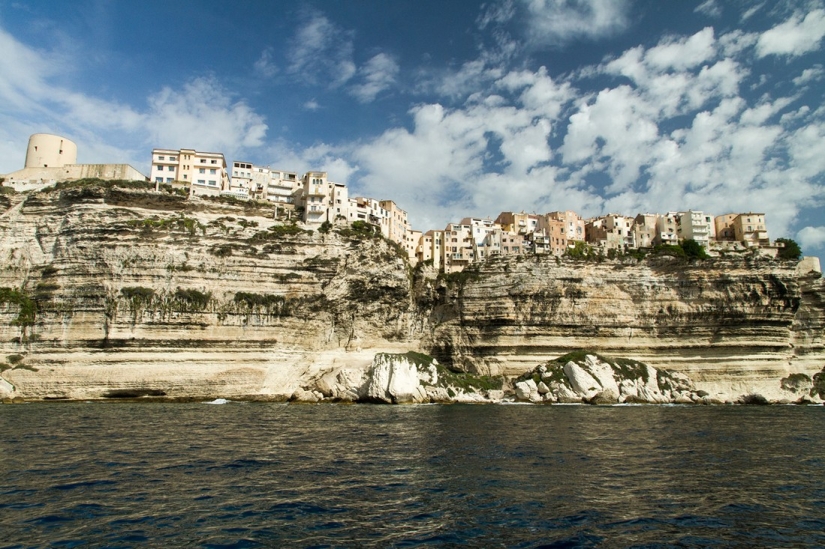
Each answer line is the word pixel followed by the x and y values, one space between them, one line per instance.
pixel 557 22
pixel 321 52
pixel 813 74
pixel 377 75
pixel 796 36
pixel 203 115
pixel 811 238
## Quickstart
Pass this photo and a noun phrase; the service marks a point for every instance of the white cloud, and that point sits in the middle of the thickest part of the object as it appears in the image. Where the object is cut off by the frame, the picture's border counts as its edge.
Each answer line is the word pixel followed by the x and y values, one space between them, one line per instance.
pixel 312 105
pixel 711 8
pixel 321 52
pixel 265 66
pixel 496 12
pixel 203 116
pixel 377 75
pixel 811 238
pixel 556 22
pixel 794 37
pixel 813 74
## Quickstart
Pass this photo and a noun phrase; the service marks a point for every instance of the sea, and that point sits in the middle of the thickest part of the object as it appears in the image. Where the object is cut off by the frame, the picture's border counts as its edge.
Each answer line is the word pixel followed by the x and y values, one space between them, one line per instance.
pixel 235 474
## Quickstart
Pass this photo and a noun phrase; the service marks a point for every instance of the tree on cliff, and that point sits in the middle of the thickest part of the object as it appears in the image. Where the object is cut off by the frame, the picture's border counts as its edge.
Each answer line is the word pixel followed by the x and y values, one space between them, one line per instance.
pixel 791 250
pixel 694 249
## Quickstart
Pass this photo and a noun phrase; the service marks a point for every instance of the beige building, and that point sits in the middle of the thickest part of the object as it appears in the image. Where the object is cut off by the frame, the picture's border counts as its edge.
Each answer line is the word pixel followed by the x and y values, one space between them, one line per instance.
pixel 396 224
pixel 645 230
pixel 749 229
pixel 459 247
pixel 520 223
pixel 50 151
pixel 571 221
pixel 611 232
pixel 667 227
pixel 204 172
pixel 430 248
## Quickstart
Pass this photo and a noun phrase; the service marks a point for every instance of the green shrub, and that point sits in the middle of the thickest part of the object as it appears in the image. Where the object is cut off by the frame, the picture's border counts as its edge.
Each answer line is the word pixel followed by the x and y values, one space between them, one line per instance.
pixel 137 294
pixel 791 250
pixel 28 306
pixel 192 300
pixel 325 227
pixel 278 231
pixel 694 250
pixel 48 271
pixel 14 359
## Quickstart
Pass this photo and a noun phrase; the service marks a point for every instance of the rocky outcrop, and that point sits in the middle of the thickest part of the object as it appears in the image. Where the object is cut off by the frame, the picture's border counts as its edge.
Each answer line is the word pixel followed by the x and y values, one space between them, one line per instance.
pixel 113 289
pixel 408 378
pixel 593 379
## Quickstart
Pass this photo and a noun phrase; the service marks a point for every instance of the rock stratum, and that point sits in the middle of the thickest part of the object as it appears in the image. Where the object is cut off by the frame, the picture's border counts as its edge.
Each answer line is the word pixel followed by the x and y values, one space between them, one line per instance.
pixel 116 291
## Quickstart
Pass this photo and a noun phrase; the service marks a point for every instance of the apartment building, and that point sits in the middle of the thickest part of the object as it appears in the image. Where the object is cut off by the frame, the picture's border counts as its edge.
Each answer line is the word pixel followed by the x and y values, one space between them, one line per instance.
pixel 645 231
pixel 747 228
pixel 459 248
pixel 520 223
pixel 571 221
pixel 316 198
pixel 750 229
pixel 204 172
pixel 667 227
pixel 431 247
pixel 283 186
pixel 396 222
pixel 696 226
pixel 611 232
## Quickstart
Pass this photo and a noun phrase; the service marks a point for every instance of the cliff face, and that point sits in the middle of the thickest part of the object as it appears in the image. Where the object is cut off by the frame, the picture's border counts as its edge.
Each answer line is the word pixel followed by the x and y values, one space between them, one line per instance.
pixel 114 291
pixel 732 325
pixel 138 293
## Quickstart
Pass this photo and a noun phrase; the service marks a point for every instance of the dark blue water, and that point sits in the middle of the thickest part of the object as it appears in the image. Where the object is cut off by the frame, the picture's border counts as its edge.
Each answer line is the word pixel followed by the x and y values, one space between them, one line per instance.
pixel 268 475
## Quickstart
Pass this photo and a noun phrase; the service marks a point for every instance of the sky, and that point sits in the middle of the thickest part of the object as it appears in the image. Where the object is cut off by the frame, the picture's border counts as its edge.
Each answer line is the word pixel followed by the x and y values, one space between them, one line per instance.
pixel 451 109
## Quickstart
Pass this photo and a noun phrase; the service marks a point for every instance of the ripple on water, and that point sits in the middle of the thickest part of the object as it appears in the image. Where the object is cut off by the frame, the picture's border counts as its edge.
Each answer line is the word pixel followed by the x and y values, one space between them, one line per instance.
pixel 262 475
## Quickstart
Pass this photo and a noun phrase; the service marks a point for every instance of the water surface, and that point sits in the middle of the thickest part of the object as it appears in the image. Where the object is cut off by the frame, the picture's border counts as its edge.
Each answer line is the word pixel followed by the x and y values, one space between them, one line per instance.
pixel 268 475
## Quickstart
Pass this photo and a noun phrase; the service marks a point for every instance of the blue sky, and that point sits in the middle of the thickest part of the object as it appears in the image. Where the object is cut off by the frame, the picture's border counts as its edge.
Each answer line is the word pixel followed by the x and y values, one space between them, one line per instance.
pixel 451 109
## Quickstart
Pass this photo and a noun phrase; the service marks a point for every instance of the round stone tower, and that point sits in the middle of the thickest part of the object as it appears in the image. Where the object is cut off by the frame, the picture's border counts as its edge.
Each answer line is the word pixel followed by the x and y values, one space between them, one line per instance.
pixel 50 151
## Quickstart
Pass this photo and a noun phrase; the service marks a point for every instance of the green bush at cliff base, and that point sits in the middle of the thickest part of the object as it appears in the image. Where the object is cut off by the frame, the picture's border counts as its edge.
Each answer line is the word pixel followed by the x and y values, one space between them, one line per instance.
pixel 819 384
pixel 626 368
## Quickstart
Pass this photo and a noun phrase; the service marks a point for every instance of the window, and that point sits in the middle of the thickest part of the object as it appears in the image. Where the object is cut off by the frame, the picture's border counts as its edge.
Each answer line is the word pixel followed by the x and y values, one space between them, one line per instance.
pixel 214 161
pixel 161 158
pixel 201 170
pixel 173 158
pixel 170 179
pixel 212 182
pixel 171 168
pixel 213 171
pixel 158 180
pixel 201 182
pixel 185 176
pixel 160 168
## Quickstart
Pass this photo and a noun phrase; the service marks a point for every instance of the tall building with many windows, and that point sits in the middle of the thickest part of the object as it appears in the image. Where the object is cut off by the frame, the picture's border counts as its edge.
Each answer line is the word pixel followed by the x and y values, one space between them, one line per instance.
pixel 204 172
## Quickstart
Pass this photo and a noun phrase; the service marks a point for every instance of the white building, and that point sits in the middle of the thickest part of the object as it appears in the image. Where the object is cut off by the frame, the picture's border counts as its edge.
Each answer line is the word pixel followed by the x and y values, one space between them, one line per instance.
pixel 205 172
pixel 696 226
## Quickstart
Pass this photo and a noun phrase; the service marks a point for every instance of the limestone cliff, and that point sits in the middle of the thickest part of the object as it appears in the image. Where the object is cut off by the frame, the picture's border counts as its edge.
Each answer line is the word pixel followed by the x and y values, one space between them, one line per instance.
pixel 113 290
